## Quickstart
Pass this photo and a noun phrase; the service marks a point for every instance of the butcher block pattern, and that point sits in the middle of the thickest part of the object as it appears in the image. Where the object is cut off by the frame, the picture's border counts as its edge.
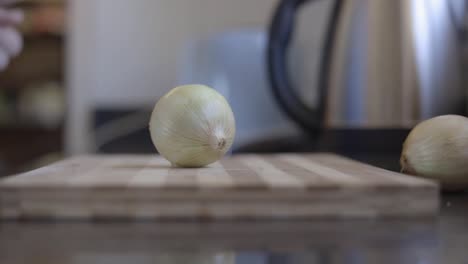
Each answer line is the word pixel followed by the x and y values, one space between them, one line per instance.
pixel 238 187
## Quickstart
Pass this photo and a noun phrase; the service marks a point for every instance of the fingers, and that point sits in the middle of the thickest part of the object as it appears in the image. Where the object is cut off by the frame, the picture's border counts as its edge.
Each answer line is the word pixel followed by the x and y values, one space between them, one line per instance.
pixel 11 16
pixel 4 60
pixel 11 42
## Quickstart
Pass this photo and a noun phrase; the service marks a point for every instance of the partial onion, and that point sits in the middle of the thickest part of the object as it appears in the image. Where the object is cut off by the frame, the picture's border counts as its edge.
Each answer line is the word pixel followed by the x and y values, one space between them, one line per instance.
pixel 192 126
pixel 438 149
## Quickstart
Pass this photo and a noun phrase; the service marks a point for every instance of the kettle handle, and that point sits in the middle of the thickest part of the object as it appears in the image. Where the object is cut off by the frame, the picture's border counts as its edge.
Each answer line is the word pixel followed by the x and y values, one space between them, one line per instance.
pixel 280 34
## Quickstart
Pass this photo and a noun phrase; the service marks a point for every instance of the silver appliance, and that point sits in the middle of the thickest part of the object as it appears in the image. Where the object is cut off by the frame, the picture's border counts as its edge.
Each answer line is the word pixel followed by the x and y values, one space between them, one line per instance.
pixel 383 64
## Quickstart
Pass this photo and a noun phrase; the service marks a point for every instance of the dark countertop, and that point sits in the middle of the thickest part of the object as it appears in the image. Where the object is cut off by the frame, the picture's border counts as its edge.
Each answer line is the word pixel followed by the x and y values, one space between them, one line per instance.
pixel 413 241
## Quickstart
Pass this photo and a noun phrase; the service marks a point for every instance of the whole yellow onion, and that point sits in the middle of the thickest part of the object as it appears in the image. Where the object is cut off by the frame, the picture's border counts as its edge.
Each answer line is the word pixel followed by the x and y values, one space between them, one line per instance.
pixel 192 126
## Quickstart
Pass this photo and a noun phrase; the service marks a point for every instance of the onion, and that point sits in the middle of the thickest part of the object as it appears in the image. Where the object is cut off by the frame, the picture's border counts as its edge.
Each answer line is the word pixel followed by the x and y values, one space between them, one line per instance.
pixel 192 126
pixel 438 149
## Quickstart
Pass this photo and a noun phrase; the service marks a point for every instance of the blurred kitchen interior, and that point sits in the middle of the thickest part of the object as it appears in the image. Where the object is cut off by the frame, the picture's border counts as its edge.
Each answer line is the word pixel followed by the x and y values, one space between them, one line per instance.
pixel 32 93
pixel 91 71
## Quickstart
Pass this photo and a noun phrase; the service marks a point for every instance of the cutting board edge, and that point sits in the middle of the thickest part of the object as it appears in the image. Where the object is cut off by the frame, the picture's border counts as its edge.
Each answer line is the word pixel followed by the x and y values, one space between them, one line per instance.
pixel 422 203
pixel 421 195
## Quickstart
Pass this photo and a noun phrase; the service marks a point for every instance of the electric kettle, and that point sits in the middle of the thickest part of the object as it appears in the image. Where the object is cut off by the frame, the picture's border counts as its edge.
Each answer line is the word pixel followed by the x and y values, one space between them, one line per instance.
pixel 382 64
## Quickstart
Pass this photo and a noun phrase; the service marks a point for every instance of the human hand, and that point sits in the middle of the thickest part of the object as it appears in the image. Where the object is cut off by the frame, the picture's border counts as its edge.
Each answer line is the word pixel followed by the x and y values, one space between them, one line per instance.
pixel 11 41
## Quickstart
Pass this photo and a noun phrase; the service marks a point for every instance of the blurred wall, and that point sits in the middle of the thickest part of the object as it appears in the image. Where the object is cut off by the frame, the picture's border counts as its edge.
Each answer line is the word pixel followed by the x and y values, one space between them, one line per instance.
pixel 123 52
pixel 126 53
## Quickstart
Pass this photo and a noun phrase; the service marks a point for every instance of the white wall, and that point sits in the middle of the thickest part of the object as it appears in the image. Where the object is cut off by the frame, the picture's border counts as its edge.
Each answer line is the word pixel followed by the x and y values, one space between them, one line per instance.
pixel 138 71
pixel 81 51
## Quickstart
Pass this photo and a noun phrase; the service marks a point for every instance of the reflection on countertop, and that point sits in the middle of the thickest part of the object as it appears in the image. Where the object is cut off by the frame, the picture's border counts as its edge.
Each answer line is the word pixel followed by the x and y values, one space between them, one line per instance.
pixel 433 240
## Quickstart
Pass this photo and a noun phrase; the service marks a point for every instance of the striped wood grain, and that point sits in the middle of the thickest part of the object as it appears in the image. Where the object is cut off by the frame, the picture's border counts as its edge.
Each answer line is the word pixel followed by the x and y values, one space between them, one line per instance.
pixel 253 186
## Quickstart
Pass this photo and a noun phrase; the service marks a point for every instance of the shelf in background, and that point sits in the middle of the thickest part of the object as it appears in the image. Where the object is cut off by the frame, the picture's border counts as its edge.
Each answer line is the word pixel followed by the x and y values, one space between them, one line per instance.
pixel 40 61
pixel 21 146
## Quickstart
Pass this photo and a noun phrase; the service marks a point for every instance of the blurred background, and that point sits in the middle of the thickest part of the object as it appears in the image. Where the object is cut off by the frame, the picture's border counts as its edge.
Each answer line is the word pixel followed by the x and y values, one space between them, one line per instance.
pixel 363 72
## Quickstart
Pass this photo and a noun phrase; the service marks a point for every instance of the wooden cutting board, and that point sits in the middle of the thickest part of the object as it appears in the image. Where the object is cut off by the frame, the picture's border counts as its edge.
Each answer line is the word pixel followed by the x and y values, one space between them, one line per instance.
pixel 242 186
